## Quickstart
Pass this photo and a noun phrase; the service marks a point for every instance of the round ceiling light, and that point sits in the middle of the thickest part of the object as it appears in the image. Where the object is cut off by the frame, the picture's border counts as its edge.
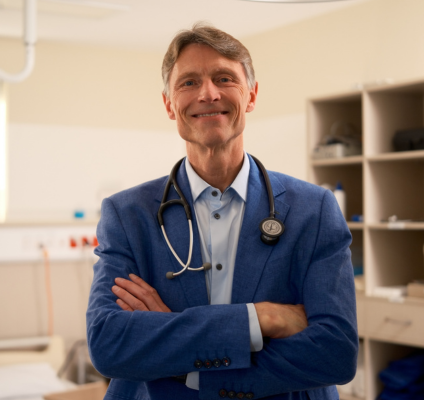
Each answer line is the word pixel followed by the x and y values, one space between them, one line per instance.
pixel 294 1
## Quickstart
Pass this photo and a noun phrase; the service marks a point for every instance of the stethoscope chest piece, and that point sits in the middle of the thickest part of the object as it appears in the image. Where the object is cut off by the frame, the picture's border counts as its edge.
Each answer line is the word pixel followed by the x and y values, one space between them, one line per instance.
pixel 271 229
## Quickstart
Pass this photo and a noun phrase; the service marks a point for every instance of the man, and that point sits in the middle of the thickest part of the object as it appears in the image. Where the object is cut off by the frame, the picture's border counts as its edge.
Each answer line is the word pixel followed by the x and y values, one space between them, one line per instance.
pixel 275 322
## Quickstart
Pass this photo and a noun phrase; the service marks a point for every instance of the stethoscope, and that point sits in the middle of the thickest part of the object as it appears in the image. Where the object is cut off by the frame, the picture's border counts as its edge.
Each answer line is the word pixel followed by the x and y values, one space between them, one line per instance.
pixel 270 227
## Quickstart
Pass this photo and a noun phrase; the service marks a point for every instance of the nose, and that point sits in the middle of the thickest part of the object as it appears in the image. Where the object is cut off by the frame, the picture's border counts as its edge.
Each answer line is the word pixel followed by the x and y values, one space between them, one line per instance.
pixel 209 92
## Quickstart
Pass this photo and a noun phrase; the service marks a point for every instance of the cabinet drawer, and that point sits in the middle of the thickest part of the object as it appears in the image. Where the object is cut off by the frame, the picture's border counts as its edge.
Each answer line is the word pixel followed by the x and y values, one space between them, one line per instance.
pixel 397 322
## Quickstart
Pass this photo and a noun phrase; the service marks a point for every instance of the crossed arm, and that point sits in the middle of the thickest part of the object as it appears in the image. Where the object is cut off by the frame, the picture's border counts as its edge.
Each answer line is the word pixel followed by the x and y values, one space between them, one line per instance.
pixel 277 321
pixel 322 353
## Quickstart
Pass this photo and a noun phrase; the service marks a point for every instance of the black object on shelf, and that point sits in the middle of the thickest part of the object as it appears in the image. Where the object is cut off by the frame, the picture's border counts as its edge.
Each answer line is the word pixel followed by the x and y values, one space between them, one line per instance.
pixel 409 139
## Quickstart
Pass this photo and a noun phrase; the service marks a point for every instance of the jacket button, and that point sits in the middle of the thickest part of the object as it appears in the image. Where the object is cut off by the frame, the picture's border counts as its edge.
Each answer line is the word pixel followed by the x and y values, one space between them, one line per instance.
pixel 222 393
pixel 250 395
pixel 240 395
pixel 232 394
pixel 207 364
pixel 198 364
pixel 216 362
pixel 226 361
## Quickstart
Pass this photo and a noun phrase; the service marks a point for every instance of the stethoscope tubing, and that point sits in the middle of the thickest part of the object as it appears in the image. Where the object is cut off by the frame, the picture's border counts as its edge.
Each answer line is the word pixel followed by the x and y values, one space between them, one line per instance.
pixel 190 252
pixel 181 201
pixel 267 236
pixel 268 187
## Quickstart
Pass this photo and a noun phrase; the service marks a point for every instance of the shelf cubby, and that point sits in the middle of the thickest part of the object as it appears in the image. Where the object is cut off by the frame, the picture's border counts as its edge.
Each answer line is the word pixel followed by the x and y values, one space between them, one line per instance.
pixel 388 109
pixel 380 355
pixel 324 112
pixel 395 188
pixel 394 257
pixel 350 176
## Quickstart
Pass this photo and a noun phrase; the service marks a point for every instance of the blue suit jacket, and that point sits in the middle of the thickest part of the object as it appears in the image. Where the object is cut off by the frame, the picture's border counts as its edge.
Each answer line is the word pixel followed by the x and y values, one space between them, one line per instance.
pixel 310 265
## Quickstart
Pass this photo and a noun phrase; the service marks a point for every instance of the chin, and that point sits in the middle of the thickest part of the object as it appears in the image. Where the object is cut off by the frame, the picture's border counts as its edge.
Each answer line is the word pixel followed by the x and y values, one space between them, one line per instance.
pixel 209 138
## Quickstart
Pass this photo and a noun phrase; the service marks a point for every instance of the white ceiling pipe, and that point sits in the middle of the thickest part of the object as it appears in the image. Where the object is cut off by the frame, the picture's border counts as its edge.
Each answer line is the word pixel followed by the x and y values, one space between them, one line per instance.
pixel 30 14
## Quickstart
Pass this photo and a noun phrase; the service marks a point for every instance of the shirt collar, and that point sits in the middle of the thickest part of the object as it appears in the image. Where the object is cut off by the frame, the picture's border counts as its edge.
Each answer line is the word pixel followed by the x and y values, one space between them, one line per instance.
pixel 198 185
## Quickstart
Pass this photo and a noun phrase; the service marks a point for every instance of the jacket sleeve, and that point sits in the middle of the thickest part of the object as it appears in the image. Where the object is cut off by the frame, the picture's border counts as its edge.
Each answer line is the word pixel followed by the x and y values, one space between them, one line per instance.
pixel 144 345
pixel 325 352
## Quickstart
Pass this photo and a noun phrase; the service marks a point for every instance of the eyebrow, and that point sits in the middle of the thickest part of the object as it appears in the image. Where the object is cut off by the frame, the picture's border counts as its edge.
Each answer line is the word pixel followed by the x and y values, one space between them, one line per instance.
pixel 194 74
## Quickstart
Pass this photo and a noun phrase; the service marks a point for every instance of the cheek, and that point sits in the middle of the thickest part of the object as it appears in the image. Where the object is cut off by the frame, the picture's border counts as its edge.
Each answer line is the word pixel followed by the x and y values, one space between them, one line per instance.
pixel 180 104
pixel 243 99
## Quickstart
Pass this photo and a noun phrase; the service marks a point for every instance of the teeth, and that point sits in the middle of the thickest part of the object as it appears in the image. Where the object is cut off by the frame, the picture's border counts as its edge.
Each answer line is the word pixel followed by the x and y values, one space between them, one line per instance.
pixel 209 115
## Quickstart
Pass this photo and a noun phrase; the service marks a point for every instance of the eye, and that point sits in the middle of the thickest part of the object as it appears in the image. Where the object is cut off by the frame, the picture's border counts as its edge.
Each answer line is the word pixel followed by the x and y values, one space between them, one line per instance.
pixel 188 83
pixel 224 80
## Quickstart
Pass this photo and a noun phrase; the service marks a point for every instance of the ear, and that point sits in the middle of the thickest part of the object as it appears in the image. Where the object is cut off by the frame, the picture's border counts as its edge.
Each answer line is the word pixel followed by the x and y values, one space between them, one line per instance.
pixel 168 107
pixel 253 93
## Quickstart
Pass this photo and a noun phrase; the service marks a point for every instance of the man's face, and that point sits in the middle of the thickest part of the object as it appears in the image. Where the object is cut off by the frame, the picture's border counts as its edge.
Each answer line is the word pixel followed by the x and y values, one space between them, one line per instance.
pixel 208 97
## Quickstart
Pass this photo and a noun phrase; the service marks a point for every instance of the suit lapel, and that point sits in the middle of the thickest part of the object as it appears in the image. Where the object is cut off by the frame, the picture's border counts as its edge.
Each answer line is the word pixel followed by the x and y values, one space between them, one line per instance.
pixel 193 283
pixel 252 254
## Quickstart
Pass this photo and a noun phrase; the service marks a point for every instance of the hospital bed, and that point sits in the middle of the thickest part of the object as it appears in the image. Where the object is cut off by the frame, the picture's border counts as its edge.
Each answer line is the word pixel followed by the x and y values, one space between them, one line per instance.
pixel 28 368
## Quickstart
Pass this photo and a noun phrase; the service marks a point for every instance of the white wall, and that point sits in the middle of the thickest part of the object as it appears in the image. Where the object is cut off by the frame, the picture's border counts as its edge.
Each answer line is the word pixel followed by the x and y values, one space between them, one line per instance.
pixel 279 143
pixel 328 54
pixel 54 170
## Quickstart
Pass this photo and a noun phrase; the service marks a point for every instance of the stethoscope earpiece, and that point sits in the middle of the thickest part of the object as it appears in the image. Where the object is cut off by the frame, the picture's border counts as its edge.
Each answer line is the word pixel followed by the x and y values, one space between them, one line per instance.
pixel 207 266
pixel 170 275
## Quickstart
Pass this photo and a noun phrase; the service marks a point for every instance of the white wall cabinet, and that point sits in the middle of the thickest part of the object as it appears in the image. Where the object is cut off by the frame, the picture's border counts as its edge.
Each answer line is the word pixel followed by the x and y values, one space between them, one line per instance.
pixel 379 183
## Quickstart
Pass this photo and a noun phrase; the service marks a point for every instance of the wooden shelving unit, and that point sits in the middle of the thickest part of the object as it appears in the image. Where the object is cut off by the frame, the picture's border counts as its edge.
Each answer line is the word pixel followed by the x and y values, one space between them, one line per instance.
pixel 350 160
pixel 379 183
pixel 355 225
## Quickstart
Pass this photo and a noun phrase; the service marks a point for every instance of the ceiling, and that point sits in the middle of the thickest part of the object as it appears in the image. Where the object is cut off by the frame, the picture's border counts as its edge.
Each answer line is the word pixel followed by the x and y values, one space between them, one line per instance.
pixel 150 24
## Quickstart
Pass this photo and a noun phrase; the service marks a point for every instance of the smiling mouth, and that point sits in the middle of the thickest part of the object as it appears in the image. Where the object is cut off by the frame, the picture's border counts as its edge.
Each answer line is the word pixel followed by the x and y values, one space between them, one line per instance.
pixel 210 114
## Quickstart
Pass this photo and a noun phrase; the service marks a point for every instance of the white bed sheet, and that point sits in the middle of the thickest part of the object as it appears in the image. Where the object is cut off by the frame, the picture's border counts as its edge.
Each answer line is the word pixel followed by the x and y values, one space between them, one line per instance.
pixel 29 381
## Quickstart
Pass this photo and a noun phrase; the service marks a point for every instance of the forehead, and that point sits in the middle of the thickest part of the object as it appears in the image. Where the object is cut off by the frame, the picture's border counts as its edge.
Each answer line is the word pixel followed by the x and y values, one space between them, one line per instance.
pixel 198 59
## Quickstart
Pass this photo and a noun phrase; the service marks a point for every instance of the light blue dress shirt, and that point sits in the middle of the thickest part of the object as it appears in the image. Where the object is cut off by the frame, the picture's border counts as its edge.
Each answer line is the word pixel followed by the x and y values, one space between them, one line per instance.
pixel 219 218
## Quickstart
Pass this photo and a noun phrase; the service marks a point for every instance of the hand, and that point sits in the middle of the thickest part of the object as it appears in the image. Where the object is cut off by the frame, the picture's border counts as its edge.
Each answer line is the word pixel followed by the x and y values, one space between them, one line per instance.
pixel 279 321
pixel 135 294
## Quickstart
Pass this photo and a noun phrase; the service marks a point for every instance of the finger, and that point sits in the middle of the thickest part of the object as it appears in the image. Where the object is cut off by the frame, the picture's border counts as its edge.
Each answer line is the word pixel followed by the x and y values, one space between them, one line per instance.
pixel 123 305
pixel 129 299
pixel 145 295
pixel 143 291
pixel 151 291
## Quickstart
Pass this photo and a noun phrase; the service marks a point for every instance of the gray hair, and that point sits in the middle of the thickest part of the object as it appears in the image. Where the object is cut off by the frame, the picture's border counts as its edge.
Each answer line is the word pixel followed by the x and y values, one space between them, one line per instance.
pixel 220 41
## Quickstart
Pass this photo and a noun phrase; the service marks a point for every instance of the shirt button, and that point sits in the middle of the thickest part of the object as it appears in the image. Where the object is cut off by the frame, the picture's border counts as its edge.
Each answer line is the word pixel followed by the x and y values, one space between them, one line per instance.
pixel 214 193
pixel 219 267
pixel 217 216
